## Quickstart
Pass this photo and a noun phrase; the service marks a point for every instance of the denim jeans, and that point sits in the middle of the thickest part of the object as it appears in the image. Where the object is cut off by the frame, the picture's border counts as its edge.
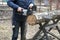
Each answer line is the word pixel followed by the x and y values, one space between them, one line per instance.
pixel 22 25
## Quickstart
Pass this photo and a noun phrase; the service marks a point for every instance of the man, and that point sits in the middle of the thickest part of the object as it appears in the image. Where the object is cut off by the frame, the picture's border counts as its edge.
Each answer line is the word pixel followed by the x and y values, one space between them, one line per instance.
pixel 18 19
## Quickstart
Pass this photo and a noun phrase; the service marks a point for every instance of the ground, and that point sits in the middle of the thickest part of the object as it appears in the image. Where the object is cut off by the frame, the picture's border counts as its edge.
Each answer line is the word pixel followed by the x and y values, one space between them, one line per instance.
pixel 6 30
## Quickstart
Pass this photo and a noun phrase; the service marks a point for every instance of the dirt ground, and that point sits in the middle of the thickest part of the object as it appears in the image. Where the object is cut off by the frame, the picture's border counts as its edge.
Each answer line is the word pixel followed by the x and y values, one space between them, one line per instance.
pixel 6 30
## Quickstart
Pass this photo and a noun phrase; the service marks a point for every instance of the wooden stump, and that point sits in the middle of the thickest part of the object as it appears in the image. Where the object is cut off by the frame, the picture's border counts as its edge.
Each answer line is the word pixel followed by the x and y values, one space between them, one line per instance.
pixel 31 20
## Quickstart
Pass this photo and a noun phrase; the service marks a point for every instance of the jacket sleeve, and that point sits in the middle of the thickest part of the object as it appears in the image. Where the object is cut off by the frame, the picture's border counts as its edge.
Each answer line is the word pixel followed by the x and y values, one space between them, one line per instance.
pixel 32 1
pixel 11 4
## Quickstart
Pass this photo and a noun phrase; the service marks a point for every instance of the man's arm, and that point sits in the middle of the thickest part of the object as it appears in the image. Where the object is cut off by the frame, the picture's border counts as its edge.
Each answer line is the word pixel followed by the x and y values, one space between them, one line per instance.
pixel 11 4
pixel 31 3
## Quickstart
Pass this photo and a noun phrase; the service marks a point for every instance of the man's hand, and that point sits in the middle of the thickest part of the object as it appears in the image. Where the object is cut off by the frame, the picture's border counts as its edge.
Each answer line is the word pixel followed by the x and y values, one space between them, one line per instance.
pixel 31 5
pixel 20 9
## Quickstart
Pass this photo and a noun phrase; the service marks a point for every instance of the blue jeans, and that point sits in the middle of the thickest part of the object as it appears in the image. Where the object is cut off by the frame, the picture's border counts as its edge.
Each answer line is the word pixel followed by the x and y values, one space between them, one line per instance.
pixel 17 25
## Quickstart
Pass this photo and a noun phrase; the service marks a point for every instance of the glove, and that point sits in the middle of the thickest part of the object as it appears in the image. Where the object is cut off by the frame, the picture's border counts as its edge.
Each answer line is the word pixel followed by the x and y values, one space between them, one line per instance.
pixel 31 5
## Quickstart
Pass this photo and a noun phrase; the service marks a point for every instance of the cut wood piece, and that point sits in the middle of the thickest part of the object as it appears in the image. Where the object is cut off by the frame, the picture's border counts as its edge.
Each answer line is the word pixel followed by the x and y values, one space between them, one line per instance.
pixel 31 20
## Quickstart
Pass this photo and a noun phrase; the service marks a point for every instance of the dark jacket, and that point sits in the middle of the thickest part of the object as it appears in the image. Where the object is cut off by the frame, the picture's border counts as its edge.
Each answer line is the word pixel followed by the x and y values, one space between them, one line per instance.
pixel 19 3
pixel 14 4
